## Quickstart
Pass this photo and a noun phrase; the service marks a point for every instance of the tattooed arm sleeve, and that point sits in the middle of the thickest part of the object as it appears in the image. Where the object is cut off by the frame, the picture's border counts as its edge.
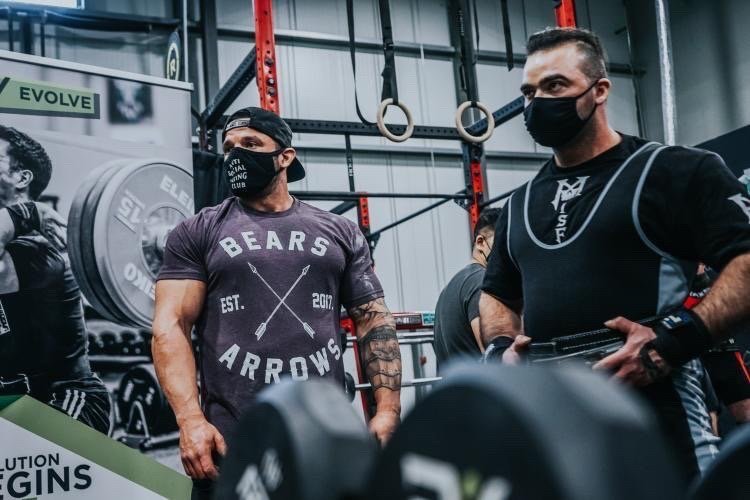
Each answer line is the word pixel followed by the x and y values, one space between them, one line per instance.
pixel 379 349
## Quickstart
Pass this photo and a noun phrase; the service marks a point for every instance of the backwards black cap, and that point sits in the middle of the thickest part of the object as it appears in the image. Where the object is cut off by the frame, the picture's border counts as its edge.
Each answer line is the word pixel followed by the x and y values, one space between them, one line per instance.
pixel 273 126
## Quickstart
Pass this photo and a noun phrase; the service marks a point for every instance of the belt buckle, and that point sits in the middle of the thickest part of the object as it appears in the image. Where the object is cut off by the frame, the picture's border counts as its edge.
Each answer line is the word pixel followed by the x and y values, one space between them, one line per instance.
pixel 22 378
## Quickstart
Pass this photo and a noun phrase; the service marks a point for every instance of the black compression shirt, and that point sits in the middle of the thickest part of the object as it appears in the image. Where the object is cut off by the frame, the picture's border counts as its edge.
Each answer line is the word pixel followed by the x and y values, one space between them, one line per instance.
pixel 41 326
pixel 589 232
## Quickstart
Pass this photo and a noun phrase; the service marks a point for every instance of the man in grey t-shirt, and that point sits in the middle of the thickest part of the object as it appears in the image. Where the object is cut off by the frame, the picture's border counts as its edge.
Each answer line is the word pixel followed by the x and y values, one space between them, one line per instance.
pixel 457 309
pixel 262 277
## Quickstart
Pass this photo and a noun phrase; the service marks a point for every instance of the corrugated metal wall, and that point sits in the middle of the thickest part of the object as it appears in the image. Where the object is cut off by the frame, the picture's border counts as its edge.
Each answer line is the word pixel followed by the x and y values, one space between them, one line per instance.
pixel 416 259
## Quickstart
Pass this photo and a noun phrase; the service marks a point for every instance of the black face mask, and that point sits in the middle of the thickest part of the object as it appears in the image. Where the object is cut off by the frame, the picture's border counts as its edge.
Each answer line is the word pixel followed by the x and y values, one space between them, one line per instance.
pixel 249 172
pixel 554 121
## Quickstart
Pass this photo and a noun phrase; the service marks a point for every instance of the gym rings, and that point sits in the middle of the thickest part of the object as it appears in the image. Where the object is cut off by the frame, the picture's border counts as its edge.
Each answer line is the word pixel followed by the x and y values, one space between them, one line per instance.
pixel 462 132
pixel 466 136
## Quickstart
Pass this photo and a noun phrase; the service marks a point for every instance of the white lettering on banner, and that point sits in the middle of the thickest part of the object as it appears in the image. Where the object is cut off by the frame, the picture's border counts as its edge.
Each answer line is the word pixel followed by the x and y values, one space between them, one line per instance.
pixel 139 280
pixel 50 471
pixel 743 202
pixel 273 241
pixel 183 198
pixel 272 368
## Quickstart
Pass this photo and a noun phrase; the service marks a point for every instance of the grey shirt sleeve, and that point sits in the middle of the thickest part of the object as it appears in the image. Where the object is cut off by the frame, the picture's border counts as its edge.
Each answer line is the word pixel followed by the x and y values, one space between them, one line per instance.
pixel 359 284
pixel 183 256
pixel 471 292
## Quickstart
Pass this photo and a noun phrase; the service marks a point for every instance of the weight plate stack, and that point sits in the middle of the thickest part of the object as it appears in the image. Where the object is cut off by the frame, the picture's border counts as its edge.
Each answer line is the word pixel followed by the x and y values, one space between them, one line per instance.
pixel 118 227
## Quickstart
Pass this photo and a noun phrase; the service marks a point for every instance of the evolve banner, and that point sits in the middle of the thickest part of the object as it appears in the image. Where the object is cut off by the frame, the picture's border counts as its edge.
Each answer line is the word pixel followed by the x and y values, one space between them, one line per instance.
pixel 85 116
pixel 45 454
pixel 39 98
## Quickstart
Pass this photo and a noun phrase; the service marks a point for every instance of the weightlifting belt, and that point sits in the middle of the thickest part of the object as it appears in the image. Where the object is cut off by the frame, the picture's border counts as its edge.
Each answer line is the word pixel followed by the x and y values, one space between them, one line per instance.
pixel 586 347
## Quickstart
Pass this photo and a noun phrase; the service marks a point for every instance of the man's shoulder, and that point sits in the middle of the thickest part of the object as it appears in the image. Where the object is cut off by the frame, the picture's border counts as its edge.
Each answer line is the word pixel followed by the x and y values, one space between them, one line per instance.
pixel 326 217
pixel 207 217
pixel 470 276
pixel 36 252
pixel 681 159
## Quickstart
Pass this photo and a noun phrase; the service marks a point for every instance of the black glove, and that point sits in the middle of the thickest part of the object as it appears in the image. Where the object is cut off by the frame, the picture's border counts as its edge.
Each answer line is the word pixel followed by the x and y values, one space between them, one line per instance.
pixel 25 217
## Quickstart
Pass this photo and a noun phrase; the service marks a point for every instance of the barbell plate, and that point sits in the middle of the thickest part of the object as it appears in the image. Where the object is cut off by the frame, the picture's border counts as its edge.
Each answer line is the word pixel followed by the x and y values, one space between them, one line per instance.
pixel 88 237
pixel 140 384
pixel 138 207
pixel 519 432
pixel 83 269
pixel 301 441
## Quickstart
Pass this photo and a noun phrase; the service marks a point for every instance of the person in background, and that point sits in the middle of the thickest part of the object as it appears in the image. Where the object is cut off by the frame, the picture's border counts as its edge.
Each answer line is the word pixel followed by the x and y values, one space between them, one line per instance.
pixel 457 310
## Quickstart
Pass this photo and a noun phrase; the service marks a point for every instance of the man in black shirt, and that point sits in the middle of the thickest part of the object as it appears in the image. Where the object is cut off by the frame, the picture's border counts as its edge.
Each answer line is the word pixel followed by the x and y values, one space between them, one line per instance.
pixel 43 350
pixel 611 231
pixel 457 310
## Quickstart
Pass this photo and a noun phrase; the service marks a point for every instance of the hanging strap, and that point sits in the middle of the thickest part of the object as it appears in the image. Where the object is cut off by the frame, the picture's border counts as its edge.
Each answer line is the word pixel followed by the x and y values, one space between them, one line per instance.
pixel 390 88
pixel 476 28
pixel 507 34
pixel 353 55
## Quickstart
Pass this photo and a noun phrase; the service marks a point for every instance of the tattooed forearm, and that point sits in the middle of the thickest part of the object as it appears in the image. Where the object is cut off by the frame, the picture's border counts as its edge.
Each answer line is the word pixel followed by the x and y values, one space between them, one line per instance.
pixel 372 313
pixel 381 358
pixel 379 350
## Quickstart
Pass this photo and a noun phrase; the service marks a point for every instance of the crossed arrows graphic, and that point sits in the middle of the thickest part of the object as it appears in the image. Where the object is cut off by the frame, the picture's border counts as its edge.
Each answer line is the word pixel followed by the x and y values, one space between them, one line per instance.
pixel 262 327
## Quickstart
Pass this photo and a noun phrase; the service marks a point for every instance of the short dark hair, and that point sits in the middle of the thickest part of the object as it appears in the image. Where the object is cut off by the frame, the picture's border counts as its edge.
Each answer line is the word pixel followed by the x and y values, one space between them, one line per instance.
pixel 587 42
pixel 487 219
pixel 27 154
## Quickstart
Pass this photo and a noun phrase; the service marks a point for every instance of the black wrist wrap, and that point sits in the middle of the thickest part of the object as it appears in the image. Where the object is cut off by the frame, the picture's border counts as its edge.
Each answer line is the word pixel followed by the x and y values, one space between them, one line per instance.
pixel 681 337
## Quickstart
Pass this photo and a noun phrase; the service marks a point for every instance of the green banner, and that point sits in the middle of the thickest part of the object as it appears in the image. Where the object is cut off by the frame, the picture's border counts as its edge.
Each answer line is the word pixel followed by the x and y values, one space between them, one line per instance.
pixel 45 454
pixel 28 97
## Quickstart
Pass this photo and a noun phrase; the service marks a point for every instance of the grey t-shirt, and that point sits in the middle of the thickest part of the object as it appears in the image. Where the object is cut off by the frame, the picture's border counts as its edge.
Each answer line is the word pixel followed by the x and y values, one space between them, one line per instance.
pixel 275 286
pixel 457 306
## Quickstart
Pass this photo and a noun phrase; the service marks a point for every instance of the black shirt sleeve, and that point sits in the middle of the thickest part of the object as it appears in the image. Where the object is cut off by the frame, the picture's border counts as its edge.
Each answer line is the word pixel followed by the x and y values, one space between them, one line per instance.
pixel 502 279
pixel 693 207
pixel 37 263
